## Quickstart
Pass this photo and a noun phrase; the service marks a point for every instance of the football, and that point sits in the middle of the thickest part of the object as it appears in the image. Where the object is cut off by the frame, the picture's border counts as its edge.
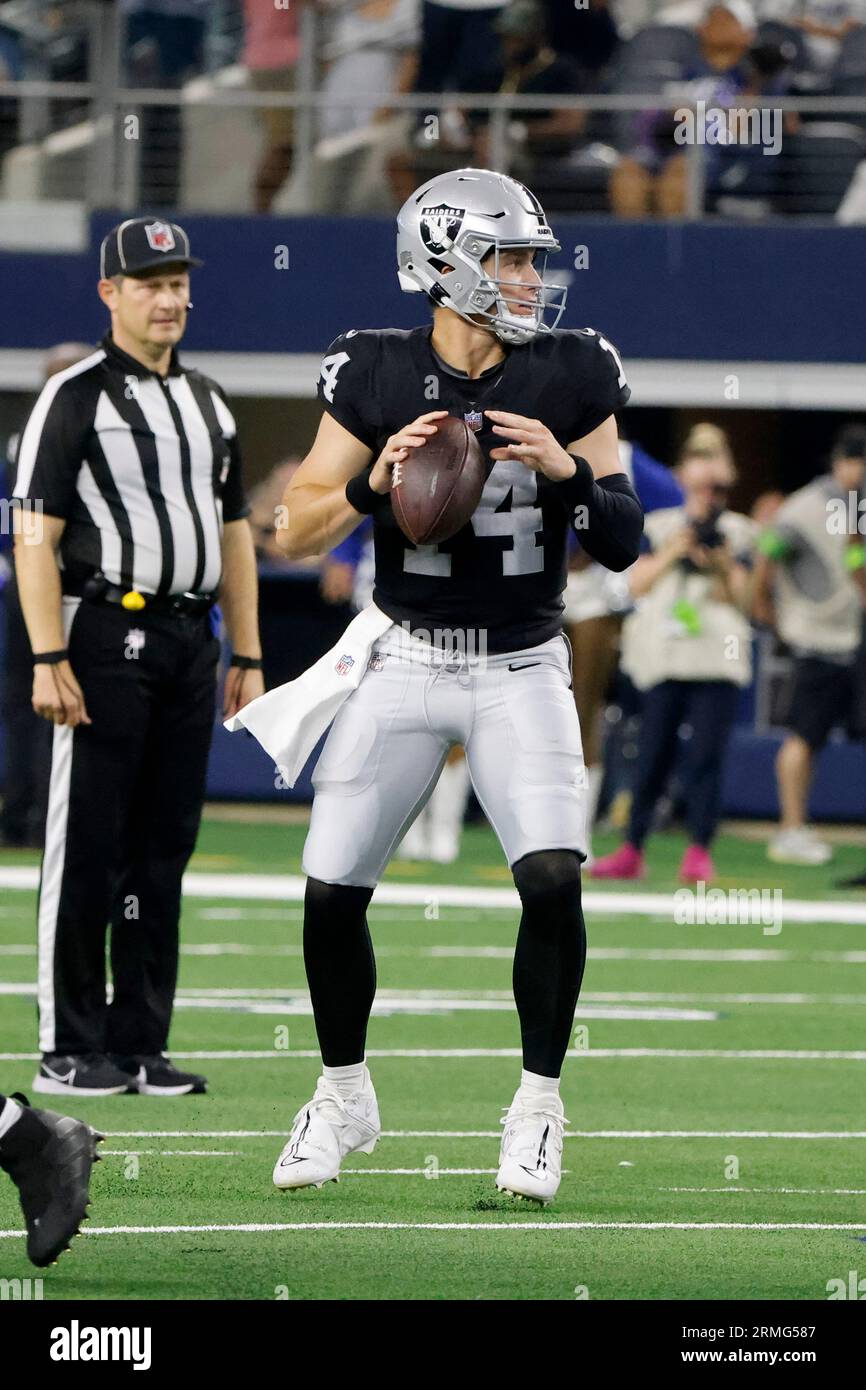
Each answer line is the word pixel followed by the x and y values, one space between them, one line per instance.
pixel 437 487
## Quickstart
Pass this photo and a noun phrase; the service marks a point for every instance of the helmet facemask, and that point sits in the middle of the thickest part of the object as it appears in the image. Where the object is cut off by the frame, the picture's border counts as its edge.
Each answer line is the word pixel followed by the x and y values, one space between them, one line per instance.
pixel 490 298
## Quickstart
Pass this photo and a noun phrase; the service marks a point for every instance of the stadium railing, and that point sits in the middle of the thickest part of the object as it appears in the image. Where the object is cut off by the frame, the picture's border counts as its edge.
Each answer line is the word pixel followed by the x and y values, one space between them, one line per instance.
pixel 103 144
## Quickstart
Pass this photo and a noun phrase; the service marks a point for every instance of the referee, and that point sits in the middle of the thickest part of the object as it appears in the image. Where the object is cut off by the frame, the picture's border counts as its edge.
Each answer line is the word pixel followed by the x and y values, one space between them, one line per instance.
pixel 132 522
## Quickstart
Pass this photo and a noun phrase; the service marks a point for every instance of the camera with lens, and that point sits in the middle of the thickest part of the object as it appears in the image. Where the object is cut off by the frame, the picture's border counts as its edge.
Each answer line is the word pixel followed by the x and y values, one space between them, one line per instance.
pixel 706 534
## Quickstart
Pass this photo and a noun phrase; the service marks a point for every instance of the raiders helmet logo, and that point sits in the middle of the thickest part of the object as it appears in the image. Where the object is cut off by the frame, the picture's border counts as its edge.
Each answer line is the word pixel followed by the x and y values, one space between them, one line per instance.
pixel 439 226
pixel 160 237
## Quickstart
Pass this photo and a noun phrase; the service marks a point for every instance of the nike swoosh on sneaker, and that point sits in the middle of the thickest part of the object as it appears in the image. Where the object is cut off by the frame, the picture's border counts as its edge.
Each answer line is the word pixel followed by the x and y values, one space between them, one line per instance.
pixel 67 1079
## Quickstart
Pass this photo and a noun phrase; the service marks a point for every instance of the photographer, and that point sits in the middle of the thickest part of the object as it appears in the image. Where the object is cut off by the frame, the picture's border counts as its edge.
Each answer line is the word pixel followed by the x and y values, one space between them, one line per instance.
pixel 809 589
pixel 687 647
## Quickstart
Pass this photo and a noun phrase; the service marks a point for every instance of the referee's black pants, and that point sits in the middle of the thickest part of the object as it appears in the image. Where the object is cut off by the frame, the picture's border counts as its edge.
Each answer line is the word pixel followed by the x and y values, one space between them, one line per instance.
pixel 124 808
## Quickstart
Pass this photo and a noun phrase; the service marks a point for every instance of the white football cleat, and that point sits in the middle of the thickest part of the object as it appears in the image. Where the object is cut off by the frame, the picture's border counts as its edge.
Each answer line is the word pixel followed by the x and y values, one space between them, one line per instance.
pixel 530 1157
pixel 326 1129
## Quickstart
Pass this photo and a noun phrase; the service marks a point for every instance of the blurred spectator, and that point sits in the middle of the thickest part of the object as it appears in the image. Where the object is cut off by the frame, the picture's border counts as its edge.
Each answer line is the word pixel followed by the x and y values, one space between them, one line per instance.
pixel 823 22
pixel 371 47
pixel 765 506
pixel 348 572
pixel 687 647
pixel 810 588
pixel 27 737
pixel 533 68
pixel 10 71
pixel 596 602
pixel 651 177
pixel 265 499
pixel 459 46
pixel 587 35
pixel 270 55
pixel 459 51
pixel 164 48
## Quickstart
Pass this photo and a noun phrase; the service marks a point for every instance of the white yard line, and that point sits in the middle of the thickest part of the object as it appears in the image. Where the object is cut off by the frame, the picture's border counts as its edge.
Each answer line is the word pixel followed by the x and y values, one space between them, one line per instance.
pixel 603 1134
pixel 297 1004
pixel 779 1191
pixel 786 1135
pixel 172 1153
pixel 609 953
pixel 274 1227
pixel 286 888
pixel 590 1054
pixel 484 998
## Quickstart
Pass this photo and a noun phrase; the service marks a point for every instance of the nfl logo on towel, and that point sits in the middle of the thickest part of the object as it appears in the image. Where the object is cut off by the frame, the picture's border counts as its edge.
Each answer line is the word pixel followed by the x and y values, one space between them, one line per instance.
pixel 344 665
pixel 474 419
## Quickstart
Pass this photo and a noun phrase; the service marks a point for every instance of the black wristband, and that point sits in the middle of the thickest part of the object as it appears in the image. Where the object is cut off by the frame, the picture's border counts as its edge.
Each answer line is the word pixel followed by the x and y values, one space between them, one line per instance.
pixel 361 496
pixel 247 663
pixel 50 658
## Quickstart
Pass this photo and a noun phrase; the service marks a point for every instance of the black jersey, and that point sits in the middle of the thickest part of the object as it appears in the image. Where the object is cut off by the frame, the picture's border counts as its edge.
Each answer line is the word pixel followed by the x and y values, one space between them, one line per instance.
pixel 503 574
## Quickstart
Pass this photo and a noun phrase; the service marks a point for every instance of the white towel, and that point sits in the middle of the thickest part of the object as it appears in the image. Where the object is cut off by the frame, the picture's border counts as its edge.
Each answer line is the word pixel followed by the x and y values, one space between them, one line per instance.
pixel 289 720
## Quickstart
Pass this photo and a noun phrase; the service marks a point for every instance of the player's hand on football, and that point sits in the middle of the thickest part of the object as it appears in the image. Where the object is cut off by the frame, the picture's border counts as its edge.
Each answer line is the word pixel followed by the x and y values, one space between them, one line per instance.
pixel 533 444
pixel 397 448
pixel 57 696
pixel 241 687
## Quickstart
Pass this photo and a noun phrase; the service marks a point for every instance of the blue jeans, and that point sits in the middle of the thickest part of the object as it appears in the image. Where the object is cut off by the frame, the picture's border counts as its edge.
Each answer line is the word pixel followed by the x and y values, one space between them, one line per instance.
pixel 709 707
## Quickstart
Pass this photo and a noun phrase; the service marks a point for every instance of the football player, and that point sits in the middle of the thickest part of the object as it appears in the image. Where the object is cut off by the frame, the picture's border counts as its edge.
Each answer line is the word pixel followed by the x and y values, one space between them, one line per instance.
pixel 542 400
pixel 49 1158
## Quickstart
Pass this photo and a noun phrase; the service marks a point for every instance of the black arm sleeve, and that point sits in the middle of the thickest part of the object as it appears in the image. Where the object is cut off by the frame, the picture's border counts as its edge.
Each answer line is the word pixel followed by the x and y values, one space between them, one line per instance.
pixel 606 515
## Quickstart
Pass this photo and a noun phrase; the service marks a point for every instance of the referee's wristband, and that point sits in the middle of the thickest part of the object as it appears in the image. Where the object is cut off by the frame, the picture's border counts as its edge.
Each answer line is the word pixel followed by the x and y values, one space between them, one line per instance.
pixel 50 658
pixel 247 663
pixel 361 496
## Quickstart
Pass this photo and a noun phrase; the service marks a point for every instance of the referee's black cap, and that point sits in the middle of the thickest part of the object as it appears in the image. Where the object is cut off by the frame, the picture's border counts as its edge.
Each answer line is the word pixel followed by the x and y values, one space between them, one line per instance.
pixel 141 243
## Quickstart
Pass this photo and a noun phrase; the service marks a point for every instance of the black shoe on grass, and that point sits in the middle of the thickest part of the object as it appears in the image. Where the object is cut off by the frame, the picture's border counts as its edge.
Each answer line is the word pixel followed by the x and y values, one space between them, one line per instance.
pixel 156 1075
pixel 89 1074
pixel 49 1158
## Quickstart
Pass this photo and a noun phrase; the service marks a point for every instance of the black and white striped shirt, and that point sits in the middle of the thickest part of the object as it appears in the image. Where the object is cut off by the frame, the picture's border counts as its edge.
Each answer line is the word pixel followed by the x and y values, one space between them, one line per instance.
pixel 143 469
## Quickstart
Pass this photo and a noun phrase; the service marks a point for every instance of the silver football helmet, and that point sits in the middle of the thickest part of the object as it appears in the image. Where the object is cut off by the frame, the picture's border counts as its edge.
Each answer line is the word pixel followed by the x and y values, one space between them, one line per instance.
pixel 448 227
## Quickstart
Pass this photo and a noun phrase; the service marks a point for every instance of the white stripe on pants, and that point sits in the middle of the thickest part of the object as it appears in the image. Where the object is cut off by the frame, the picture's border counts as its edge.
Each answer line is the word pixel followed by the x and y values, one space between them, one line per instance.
pixel 51 879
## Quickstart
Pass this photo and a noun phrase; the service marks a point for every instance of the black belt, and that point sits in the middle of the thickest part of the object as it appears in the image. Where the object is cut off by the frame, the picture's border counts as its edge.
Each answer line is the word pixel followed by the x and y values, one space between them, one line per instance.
pixel 98 589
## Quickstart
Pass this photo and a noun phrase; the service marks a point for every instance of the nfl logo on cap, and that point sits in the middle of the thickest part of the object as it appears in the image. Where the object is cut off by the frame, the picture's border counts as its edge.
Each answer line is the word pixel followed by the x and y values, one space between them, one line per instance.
pixel 160 237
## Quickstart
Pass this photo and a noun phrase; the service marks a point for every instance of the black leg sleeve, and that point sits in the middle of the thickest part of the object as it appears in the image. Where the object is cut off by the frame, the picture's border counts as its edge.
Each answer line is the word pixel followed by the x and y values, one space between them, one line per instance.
pixel 341 968
pixel 550 956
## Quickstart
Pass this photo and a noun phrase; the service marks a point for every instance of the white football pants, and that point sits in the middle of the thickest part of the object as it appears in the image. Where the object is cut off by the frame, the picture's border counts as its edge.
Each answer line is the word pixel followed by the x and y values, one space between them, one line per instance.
pixel 515 715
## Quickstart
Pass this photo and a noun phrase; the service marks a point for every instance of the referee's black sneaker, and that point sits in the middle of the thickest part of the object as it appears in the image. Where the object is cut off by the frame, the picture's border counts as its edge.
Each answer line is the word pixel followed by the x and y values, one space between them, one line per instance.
pixel 88 1074
pixel 49 1158
pixel 156 1075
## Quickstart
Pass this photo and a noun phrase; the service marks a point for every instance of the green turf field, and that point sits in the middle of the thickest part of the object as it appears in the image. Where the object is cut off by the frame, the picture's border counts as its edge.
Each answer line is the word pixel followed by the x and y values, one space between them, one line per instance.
pixel 696 1168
